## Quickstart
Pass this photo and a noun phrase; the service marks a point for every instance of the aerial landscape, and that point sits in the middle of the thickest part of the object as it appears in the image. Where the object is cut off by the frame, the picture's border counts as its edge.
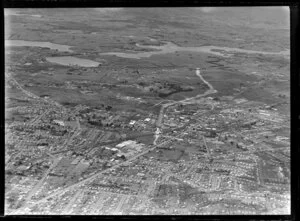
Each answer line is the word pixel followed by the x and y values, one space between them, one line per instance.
pixel 147 111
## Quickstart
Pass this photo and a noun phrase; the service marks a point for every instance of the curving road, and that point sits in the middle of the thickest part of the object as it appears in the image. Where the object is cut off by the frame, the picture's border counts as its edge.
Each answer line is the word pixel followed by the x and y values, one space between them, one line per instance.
pixel 211 90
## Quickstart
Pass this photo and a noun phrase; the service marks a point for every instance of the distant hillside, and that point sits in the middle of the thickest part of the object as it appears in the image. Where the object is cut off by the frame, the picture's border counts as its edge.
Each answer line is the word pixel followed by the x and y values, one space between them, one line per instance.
pixel 257 28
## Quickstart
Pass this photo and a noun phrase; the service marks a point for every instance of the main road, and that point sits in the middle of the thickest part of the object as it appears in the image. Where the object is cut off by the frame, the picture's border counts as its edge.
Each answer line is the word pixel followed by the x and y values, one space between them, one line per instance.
pixel 91 178
pixel 211 90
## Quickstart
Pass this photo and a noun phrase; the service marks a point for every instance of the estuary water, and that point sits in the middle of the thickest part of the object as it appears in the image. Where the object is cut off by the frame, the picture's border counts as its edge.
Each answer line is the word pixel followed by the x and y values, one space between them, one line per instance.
pixel 62 60
pixel 42 44
pixel 170 47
